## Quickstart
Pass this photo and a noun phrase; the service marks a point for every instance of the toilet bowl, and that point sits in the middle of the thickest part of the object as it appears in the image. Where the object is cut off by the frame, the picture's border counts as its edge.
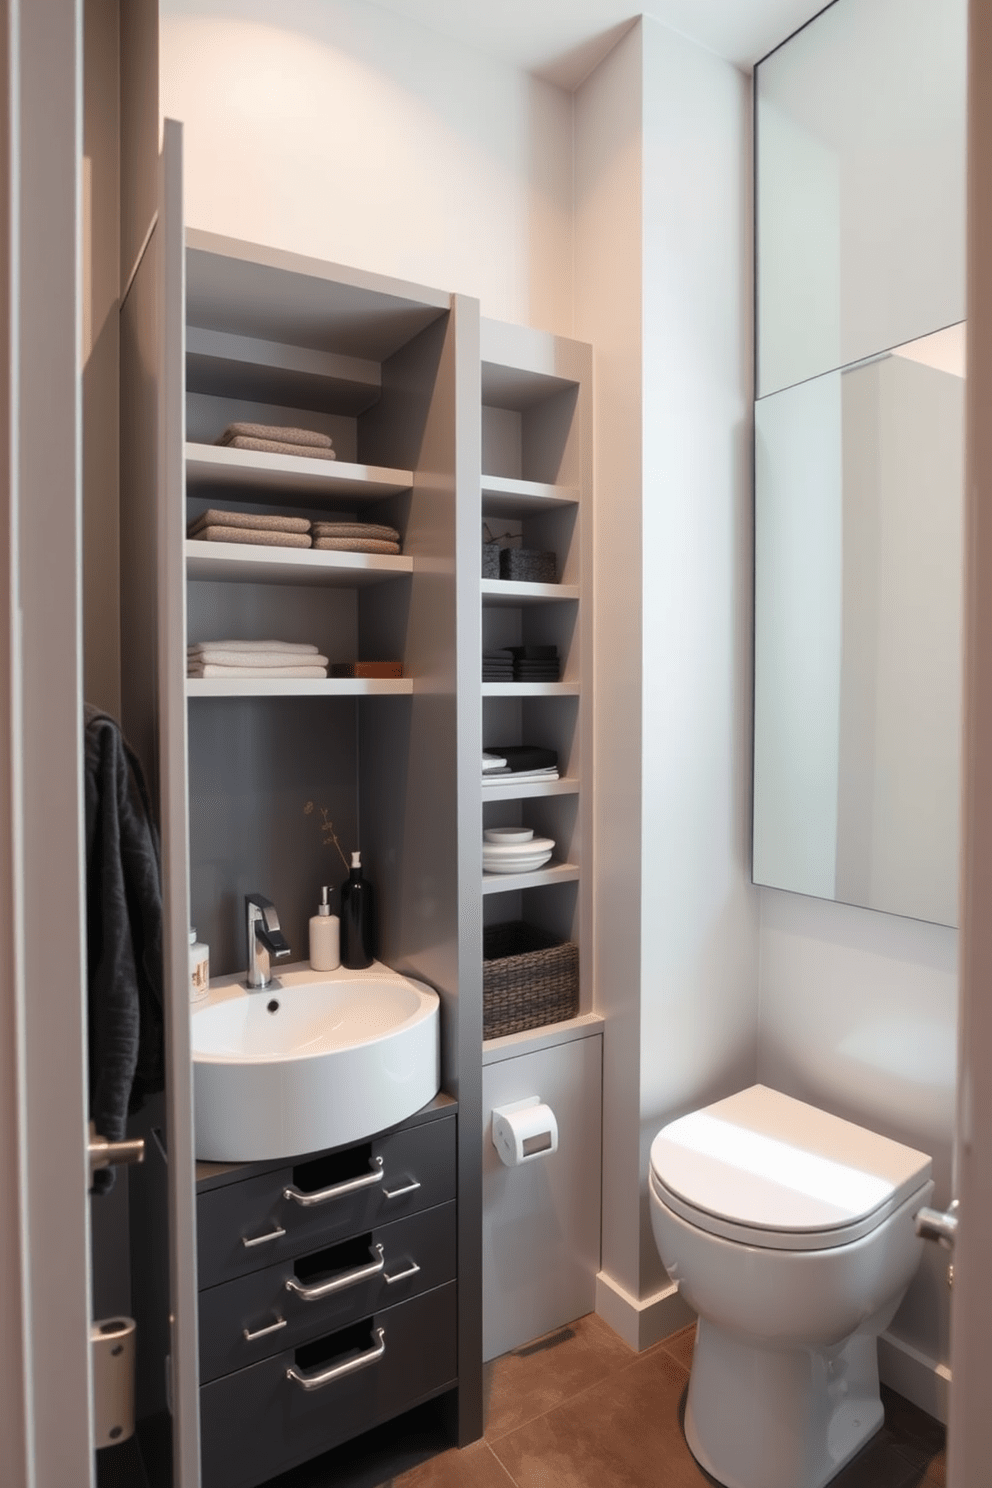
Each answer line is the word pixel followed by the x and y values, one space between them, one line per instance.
pixel 790 1233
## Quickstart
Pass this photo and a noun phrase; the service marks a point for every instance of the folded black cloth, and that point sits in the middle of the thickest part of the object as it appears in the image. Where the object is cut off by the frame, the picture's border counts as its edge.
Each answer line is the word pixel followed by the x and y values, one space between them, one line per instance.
pixel 524 756
pixel 123 934
pixel 533 653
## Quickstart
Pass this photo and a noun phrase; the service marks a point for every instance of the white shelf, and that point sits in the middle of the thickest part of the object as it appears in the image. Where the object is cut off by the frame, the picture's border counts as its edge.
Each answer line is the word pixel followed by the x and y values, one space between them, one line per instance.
pixel 530 689
pixel 512 592
pixel 239 563
pixel 502 497
pixel 507 791
pixel 225 365
pixel 586 1025
pixel 506 883
pixel 198 687
pixel 288 478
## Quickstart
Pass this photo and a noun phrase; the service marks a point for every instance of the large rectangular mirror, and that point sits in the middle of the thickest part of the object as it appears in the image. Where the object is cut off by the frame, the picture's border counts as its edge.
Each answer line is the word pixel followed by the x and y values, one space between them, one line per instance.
pixel 859 494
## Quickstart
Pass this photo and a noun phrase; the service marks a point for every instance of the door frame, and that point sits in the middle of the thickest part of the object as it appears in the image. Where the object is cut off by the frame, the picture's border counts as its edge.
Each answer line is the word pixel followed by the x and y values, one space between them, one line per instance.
pixel 47 1439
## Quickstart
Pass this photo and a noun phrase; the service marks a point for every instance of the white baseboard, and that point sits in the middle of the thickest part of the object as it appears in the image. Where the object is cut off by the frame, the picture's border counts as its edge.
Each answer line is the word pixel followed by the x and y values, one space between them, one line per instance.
pixel 641 1322
pixel 914 1375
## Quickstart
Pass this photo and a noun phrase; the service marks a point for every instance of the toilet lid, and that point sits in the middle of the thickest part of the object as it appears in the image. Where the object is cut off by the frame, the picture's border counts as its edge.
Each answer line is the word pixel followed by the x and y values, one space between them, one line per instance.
pixel 761 1166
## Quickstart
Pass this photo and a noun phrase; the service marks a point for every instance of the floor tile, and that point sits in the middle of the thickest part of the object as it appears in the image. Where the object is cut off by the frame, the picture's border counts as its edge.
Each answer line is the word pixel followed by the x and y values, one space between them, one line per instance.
pixel 534 1379
pixel 623 1432
pixel 879 1465
pixel 920 1439
pixel 680 1345
pixel 475 1467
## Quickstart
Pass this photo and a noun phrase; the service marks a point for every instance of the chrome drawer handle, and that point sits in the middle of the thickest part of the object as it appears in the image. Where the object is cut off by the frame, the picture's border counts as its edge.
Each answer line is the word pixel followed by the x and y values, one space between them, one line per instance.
pixel 263 1332
pixel 402 1275
pixel 315 1381
pixel 338 1190
pixel 275 1234
pixel 397 1193
pixel 337 1283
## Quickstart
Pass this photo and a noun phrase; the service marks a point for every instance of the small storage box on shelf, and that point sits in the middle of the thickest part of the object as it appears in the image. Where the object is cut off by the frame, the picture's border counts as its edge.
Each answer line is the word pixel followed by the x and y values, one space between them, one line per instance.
pixel 529 978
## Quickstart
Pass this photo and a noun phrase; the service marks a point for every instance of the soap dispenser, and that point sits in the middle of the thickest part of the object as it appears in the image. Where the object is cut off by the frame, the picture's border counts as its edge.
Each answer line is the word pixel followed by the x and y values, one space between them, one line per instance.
pixel 357 918
pixel 324 937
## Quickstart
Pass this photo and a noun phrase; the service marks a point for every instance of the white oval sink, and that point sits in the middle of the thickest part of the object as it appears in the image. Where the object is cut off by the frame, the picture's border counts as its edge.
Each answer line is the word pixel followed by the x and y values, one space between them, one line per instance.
pixel 325 1058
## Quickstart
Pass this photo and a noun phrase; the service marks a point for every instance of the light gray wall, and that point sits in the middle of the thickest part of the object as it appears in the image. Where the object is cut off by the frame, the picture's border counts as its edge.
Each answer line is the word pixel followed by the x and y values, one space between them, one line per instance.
pixel 858 1015
pixel 663 293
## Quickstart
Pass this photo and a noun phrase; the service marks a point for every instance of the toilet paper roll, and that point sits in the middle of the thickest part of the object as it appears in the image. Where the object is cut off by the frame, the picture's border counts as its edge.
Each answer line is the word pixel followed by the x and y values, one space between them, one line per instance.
pixel 112 1353
pixel 524 1131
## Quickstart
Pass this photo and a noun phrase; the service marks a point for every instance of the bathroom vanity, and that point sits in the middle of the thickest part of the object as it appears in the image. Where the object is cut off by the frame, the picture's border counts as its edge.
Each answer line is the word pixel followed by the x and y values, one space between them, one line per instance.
pixel 327 1298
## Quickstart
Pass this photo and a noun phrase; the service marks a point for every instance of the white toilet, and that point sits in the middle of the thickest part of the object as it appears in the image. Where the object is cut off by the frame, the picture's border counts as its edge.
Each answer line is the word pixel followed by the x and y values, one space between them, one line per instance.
pixel 790 1232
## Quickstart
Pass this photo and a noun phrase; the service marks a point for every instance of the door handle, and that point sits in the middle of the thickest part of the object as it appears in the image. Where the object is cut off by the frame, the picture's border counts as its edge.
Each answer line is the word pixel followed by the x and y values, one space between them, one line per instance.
pixel 104 1154
pixel 338 1371
pixel 338 1283
pixel 939 1224
pixel 337 1190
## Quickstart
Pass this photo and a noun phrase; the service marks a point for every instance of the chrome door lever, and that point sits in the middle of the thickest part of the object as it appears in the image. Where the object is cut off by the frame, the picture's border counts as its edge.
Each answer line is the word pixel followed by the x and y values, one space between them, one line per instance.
pixel 939 1224
pixel 104 1154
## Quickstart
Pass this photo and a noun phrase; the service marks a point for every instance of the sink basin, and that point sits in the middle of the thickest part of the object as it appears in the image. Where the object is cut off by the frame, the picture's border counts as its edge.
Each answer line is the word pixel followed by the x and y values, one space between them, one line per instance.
pixel 322 1059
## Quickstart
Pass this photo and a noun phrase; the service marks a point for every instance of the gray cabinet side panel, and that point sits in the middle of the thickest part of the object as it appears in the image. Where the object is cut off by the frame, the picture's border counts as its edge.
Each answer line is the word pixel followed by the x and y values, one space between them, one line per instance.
pixel 139 127
pixel 419 762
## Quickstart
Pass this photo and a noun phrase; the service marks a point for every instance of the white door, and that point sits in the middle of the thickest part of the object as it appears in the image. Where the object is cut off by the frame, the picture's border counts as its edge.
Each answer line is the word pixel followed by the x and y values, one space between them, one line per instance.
pixel 971 1300
pixel 44 1240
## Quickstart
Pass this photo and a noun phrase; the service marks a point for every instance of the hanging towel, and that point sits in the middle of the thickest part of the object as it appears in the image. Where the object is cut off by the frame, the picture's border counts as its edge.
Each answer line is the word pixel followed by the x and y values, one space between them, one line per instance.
pixel 282 434
pixel 263 521
pixel 123 934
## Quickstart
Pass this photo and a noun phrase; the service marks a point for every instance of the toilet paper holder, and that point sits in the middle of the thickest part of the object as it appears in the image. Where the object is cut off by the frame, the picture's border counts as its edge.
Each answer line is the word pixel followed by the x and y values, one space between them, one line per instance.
pixel 523 1131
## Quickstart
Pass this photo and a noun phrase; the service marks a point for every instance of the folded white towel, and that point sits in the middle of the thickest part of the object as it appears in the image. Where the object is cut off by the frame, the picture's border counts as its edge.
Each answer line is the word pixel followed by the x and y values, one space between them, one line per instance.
pixel 291 647
pixel 206 669
pixel 518 777
pixel 238 660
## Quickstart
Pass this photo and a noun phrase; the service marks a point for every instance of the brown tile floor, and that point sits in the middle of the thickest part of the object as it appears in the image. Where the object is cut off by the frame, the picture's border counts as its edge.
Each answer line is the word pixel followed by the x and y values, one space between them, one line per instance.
pixel 579 1409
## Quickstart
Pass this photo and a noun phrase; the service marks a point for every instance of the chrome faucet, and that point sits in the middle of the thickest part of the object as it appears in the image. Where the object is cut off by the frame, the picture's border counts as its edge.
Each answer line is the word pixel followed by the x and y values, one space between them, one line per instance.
pixel 265 939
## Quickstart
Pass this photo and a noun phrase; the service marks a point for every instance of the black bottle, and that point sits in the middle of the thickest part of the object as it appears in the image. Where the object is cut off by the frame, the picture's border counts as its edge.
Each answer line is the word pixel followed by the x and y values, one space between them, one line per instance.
pixel 357 918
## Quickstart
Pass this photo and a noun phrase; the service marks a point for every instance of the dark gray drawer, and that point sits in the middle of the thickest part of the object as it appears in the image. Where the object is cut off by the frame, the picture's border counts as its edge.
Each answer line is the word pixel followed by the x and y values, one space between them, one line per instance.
pixel 258 1422
pixel 418 1254
pixel 248 1226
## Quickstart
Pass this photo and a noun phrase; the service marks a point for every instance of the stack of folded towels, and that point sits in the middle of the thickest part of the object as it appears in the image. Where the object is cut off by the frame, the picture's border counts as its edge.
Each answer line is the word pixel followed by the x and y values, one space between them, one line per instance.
pixel 254 659
pixel 522 664
pixel 497 666
pixel 517 764
pixel 251 527
pixel 355 537
pixel 274 439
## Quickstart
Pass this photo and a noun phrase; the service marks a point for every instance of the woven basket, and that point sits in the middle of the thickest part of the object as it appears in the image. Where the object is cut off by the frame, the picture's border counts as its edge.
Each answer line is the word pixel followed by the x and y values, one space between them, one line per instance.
pixel 490 560
pixel 529 565
pixel 529 978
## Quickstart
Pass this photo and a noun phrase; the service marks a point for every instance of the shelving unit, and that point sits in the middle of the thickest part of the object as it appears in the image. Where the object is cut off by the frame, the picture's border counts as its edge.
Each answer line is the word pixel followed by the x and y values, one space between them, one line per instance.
pixel 536 483
pixel 218 469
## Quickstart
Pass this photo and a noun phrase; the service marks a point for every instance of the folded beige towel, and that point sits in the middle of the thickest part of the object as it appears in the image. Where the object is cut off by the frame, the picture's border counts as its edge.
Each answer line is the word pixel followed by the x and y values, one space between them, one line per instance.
pixel 208 669
pixel 355 545
pixel 263 521
pixel 279 447
pixel 290 648
pixel 355 529
pixel 284 435
pixel 236 660
pixel 253 536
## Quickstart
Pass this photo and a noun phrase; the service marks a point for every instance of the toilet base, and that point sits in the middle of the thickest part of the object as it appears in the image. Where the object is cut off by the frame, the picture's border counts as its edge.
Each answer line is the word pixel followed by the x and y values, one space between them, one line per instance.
pixel 760 1417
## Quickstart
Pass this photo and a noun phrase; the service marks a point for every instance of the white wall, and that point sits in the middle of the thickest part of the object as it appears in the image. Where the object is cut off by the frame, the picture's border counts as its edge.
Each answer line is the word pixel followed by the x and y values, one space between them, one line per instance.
pixel 333 128
pixel 858 1014
pixel 663 294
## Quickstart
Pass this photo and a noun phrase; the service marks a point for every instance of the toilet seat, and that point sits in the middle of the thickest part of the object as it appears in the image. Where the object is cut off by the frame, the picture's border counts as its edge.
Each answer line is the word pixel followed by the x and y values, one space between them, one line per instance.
pixel 764 1169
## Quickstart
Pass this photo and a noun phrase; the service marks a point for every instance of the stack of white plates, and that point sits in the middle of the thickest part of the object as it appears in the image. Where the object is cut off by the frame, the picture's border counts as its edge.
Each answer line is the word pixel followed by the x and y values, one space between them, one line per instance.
pixel 514 850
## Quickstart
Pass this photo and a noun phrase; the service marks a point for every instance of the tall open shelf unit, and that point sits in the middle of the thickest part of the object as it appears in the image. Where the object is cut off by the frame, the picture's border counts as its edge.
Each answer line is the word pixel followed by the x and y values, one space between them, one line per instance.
pixel 440 420
pixel 537 483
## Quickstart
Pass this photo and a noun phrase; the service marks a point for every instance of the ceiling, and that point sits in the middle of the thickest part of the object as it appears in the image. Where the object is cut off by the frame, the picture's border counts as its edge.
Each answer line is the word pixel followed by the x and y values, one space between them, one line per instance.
pixel 563 40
